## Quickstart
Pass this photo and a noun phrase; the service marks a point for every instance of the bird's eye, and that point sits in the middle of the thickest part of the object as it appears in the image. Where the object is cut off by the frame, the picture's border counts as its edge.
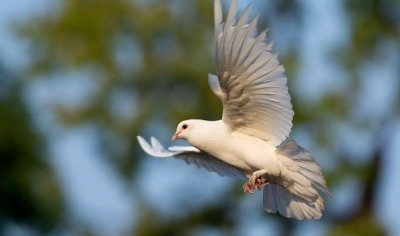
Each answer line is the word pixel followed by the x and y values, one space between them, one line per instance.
pixel 184 126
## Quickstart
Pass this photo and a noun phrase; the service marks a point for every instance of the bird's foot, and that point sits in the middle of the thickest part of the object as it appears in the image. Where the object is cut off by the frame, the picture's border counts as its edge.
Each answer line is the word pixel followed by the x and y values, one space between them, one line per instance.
pixel 261 181
pixel 248 187
pixel 257 180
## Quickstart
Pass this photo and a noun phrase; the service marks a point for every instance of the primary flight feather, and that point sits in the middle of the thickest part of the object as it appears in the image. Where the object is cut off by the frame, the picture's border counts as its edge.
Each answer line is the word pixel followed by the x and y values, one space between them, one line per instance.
pixel 249 142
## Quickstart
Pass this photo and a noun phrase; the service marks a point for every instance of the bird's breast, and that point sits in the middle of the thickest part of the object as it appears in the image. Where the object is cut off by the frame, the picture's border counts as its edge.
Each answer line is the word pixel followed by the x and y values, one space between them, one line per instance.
pixel 244 152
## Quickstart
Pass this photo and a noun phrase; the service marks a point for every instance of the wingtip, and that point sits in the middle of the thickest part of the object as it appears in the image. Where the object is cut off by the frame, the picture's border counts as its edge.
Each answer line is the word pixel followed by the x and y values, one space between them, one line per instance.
pixel 230 20
pixel 154 148
pixel 142 141
pixel 217 13
pixel 139 138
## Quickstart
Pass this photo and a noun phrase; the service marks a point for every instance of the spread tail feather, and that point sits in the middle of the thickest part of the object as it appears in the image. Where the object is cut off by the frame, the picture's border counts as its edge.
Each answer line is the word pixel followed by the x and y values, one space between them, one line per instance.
pixel 295 193
pixel 278 199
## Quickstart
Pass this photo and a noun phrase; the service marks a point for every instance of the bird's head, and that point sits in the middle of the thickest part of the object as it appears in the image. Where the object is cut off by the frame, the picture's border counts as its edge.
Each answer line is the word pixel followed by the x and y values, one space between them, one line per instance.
pixel 184 128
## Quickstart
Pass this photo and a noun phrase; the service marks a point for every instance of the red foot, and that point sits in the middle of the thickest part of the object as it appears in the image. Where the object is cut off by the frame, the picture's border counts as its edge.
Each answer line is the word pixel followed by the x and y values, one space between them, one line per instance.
pixel 260 182
pixel 248 187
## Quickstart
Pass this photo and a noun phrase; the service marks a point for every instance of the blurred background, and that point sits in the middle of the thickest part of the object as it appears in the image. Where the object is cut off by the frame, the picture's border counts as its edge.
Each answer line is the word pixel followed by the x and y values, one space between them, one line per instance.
pixel 80 79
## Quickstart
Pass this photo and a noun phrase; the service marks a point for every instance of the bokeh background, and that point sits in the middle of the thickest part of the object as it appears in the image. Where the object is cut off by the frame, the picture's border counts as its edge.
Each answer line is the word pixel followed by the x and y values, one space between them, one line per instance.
pixel 80 79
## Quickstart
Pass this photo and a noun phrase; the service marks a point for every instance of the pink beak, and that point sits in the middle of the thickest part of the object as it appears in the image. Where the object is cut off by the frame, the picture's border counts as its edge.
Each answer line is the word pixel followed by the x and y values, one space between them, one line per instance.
pixel 176 135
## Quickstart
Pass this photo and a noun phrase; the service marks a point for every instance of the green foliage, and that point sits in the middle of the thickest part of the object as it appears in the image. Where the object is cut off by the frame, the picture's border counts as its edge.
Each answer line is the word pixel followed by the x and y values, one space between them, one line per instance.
pixel 172 50
pixel 29 192
pixel 375 22
pixel 212 217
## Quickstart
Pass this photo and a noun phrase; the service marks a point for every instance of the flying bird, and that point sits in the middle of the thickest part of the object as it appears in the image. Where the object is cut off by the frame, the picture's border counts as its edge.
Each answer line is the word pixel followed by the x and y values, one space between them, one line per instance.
pixel 250 141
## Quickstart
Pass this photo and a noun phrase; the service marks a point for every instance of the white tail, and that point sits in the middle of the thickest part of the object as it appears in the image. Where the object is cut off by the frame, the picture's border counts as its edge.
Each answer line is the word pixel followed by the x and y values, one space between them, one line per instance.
pixel 295 193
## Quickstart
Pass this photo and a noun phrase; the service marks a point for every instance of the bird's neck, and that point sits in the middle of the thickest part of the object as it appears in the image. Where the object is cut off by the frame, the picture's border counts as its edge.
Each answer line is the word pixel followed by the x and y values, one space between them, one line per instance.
pixel 209 134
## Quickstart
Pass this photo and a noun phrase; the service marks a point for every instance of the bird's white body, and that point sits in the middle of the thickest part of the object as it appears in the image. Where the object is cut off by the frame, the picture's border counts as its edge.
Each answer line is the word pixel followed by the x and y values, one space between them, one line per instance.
pixel 249 141
pixel 245 152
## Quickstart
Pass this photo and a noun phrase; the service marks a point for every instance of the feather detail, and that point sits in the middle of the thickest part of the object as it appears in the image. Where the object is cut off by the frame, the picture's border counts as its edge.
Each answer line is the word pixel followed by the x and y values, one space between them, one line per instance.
pixel 250 76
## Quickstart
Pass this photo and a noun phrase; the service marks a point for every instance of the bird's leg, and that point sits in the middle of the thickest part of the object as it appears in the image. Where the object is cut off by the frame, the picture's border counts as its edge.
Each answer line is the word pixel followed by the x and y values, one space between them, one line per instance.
pixel 256 180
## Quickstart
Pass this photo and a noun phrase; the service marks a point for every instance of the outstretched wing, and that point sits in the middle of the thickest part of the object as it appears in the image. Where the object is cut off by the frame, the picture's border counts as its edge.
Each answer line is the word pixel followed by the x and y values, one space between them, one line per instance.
pixel 250 81
pixel 190 155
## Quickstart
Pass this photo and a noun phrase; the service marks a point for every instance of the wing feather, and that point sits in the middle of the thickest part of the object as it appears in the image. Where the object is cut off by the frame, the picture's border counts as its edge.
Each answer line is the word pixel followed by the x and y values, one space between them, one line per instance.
pixel 190 155
pixel 251 83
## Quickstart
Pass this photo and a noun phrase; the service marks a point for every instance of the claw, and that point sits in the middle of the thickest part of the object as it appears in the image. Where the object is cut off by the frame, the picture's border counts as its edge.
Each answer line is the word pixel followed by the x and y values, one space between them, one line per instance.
pixel 254 182
pixel 248 187
pixel 260 182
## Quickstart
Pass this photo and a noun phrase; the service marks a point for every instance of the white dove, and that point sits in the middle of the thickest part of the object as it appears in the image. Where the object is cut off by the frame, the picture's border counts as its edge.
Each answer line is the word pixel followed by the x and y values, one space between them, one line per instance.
pixel 249 141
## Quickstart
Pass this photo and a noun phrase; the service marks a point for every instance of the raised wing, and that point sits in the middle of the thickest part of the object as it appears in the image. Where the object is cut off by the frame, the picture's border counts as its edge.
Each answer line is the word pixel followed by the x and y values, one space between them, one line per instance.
pixel 250 82
pixel 190 155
